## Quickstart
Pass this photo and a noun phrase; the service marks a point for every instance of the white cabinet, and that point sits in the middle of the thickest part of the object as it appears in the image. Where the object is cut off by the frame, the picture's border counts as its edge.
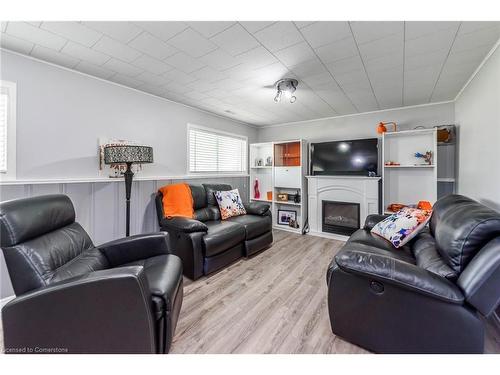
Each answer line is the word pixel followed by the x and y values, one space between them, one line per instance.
pixel 288 177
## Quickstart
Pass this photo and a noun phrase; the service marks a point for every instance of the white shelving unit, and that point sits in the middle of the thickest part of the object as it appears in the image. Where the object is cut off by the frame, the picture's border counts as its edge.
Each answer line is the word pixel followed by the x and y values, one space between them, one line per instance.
pixel 412 180
pixel 285 175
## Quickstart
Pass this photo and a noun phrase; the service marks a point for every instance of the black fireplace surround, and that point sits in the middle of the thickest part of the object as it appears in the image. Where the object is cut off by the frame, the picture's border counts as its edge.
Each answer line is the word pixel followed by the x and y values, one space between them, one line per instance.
pixel 340 217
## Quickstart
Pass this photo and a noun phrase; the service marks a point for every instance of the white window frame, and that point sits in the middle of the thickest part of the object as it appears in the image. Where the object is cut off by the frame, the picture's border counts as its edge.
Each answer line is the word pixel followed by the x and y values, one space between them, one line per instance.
pixel 218 132
pixel 11 89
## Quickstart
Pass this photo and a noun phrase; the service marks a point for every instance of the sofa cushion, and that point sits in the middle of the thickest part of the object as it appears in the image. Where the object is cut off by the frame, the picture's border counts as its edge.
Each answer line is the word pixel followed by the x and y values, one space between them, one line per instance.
pixel 199 196
pixel 427 257
pixel 461 227
pixel 230 203
pixel 164 275
pixel 211 188
pixel 177 200
pixel 221 236
pixel 364 239
pixel 254 225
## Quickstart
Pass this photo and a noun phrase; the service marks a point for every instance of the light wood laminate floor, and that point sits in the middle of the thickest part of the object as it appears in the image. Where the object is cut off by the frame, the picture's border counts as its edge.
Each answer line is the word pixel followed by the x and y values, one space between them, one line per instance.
pixel 274 302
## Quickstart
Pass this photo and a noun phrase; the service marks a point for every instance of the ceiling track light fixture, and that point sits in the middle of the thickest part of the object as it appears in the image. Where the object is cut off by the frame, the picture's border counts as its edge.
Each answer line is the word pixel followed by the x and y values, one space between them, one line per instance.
pixel 287 87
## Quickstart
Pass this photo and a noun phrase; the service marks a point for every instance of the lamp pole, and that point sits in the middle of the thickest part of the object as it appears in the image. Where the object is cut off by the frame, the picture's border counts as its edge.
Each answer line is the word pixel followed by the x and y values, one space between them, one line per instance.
pixel 129 175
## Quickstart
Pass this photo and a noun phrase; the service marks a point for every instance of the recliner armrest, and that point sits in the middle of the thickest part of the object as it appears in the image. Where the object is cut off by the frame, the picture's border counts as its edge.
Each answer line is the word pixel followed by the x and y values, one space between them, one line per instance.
pixel 105 311
pixel 257 208
pixel 183 224
pixel 400 273
pixel 372 220
pixel 130 249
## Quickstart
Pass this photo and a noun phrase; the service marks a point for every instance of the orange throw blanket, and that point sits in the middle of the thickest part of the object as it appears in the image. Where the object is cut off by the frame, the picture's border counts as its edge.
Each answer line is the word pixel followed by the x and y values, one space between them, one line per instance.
pixel 177 200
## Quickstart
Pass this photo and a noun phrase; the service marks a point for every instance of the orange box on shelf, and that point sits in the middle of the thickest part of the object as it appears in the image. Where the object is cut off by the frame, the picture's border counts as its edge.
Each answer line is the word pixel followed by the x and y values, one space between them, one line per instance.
pixel 269 195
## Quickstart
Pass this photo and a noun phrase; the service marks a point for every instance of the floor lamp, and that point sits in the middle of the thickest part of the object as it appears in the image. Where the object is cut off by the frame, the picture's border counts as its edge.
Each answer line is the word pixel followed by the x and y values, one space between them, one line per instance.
pixel 128 154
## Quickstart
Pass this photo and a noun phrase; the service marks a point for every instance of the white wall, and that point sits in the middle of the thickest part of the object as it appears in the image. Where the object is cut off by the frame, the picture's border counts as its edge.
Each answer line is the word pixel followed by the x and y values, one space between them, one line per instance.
pixel 477 113
pixel 61 115
pixel 360 125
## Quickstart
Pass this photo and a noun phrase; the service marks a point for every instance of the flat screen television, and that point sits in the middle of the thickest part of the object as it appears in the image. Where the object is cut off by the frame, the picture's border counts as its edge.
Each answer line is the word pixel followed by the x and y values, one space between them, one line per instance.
pixel 356 157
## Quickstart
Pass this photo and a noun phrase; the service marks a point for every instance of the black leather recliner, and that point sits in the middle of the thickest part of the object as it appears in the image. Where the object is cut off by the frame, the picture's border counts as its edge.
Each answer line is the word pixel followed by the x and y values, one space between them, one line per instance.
pixel 427 297
pixel 206 243
pixel 120 297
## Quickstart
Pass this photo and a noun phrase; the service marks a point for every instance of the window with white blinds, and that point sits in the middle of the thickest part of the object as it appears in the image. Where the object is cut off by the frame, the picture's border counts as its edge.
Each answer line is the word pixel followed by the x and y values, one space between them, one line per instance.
pixel 213 151
pixel 4 116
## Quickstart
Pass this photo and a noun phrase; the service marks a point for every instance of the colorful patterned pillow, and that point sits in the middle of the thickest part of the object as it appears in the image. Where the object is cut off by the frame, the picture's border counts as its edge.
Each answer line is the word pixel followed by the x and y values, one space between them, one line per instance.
pixel 401 227
pixel 230 203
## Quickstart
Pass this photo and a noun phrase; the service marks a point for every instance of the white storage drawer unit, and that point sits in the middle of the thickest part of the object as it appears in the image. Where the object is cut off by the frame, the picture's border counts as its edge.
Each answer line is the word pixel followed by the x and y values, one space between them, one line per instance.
pixel 288 177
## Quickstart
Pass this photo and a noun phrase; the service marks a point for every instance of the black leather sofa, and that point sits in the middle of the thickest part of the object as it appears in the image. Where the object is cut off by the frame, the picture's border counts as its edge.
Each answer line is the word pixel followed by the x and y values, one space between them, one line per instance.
pixel 427 297
pixel 206 243
pixel 71 297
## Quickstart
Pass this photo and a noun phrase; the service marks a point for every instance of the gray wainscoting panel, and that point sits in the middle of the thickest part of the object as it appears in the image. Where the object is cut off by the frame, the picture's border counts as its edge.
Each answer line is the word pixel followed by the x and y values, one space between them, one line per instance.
pixel 100 207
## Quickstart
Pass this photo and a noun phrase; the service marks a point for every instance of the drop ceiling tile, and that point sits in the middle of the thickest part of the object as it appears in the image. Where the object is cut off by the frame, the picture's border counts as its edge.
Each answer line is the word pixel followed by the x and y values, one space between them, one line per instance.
pixel 192 43
pixel 163 30
pixel 151 65
pixel 417 29
pixel 482 37
pixel 471 26
pixel 302 24
pixel 318 79
pixel 279 35
pixel 295 54
pixel 256 58
pixel 426 59
pixel 364 101
pixel 196 95
pixel 217 93
pixel 346 65
pixel 152 89
pixel 390 98
pixel 389 61
pixel 119 30
pixel 152 79
pixel 338 50
pixel 179 76
pixel 427 73
pixel 126 80
pixel 219 59
pixel 94 70
pixel 152 46
pixel 122 67
pixel 209 74
pixel 35 23
pixel 254 26
pixel 84 53
pixel 474 55
pixel 15 44
pixel 368 31
pixel 210 28
pixel 308 68
pixel 184 62
pixel 73 31
pixel 3 26
pixel 388 78
pixel 430 42
pixel 392 44
pixel 116 49
pixel 321 33
pixel 35 35
pixel 55 57
pixel 235 40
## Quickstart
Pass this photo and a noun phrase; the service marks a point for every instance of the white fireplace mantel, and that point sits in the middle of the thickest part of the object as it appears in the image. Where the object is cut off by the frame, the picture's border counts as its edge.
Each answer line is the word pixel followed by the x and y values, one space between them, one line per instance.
pixel 356 189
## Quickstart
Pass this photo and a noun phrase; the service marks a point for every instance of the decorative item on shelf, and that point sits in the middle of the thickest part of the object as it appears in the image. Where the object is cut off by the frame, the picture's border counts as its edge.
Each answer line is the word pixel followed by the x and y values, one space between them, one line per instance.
pixel 259 162
pixel 395 207
pixel 427 157
pixel 381 128
pixel 282 197
pixel 444 133
pixel 128 154
pixel 256 192
pixel 391 163
pixel 284 217
pixel 269 161
pixel 296 197
pixel 424 205
pixel 293 224
pixel 269 195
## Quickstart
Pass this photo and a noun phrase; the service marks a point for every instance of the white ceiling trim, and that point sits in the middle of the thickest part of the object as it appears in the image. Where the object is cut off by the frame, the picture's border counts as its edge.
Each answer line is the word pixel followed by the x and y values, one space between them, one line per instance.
pixel 357 114
pixel 127 87
pixel 478 69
